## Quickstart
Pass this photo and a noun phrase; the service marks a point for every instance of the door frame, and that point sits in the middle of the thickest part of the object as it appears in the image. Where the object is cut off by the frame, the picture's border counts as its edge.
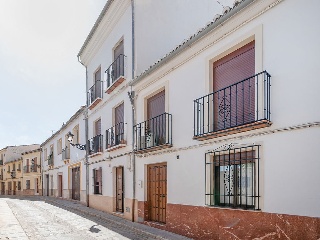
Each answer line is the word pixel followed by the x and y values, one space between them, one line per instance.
pixel 159 219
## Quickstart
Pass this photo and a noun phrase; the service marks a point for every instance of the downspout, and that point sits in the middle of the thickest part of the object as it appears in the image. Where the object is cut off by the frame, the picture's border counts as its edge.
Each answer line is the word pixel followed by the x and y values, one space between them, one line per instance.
pixel 86 135
pixel 131 96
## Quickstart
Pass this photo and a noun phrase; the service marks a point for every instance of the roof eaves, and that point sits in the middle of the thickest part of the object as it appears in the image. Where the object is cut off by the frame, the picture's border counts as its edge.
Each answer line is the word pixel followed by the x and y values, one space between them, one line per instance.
pixel 217 20
pixel 95 26
pixel 74 116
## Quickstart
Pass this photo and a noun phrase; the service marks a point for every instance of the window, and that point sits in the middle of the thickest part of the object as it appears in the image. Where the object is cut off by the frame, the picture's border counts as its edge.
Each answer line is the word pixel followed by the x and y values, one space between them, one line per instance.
pixel 75 132
pixel 8 168
pixel 45 154
pixel 232 178
pixel 27 184
pixel 118 54
pixel 34 164
pixel 19 167
pixel 59 146
pixel 14 167
pixel 240 97
pixel 19 185
pixel 97 181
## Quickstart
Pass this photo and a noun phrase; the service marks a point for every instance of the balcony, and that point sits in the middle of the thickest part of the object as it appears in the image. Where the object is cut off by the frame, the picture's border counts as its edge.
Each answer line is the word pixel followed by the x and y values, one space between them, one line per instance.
pixel 50 160
pixel 13 174
pixel 153 134
pixel 66 155
pixel 34 167
pixel 115 137
pixel 95 145
pixel 240 107
pixel 95 94
pixel 26 169
pixel 116 73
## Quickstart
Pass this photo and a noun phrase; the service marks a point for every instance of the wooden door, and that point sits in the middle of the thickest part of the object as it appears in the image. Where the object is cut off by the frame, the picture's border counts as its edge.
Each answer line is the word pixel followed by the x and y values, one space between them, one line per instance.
pixel 234 98
pixel 119 189
pixel 157 192
pixel 14 188
pixel 60 185
pixel 76 183
pixel 47 180
pixel 119 124
pixel 3 188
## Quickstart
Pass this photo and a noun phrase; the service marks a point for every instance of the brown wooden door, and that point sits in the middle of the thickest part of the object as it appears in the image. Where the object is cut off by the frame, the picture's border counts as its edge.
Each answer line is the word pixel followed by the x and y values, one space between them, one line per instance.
pixel 119 189
pixel 14 188
pixel 60 185
pixel 157 192
pixel 234 98
pixel 76 183
pixel 3 188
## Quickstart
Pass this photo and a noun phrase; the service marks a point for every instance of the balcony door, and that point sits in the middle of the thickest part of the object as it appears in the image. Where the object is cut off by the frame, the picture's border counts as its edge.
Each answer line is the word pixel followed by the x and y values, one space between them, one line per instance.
pixel 119 124
pixel 98 89
pixel 118 67
pixel 234 88
pixel 156 128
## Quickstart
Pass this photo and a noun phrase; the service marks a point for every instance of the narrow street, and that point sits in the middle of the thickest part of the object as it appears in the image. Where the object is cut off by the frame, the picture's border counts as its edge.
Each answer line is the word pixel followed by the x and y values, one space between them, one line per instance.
pixel 48 218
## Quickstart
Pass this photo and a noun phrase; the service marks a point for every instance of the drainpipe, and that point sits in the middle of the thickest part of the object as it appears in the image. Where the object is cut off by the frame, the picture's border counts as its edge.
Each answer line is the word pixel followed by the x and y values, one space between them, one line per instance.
pixel 131 96
pixel 86 135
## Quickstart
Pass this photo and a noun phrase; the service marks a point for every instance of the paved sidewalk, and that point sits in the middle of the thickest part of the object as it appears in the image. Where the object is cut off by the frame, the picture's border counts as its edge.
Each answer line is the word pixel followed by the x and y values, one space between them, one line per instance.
pixel 52 218
pixel 10 227
pixel 154 233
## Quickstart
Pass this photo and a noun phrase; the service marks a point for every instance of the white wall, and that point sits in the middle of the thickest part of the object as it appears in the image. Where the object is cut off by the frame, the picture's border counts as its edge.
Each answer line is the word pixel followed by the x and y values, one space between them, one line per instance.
pixel 289 159
pixel 162 25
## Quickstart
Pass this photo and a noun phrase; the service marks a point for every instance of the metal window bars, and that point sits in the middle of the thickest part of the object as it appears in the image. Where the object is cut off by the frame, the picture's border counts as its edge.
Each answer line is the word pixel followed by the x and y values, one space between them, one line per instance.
pixel 95 144
pixel 116 70
pixel 115 135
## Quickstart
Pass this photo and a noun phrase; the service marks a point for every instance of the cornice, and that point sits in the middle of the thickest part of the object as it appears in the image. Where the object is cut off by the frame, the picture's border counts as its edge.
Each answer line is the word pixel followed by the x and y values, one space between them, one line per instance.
pixel 106 26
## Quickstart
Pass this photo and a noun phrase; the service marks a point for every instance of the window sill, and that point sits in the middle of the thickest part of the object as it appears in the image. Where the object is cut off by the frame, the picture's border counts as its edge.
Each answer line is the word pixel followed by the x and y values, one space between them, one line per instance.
pixel 95 103
pixel 113 148
pixel 94 154
pixel 116 83
pixel 234 130
pixel 154 148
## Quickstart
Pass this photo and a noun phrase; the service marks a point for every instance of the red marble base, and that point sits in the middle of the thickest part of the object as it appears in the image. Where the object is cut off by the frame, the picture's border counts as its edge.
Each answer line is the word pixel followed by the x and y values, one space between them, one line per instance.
pixel 217 223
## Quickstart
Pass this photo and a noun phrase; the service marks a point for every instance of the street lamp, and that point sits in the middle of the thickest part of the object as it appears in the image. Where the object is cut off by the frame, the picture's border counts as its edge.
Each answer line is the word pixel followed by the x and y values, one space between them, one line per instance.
pixel 81 147
pixel 77 145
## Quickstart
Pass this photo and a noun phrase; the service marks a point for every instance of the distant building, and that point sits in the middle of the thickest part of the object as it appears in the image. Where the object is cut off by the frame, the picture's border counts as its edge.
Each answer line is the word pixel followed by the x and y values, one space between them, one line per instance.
pixel 13 180
pixel 63 164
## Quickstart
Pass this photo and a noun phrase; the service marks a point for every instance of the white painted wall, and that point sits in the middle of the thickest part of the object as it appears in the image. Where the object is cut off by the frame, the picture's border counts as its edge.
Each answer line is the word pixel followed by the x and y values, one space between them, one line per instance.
pixel 289 159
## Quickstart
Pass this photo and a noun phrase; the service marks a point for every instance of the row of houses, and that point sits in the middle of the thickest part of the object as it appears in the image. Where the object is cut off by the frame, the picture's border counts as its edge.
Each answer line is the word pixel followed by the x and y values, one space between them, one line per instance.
pixel 20 170
pixel 214 137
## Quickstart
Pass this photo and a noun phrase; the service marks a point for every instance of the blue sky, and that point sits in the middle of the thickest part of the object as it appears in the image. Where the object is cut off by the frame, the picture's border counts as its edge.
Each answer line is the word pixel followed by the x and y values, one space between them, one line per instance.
pixel 42 83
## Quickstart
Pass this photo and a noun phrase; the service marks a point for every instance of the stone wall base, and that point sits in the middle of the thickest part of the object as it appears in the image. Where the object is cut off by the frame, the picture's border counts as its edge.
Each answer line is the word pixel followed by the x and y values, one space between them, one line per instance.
pixel 218 223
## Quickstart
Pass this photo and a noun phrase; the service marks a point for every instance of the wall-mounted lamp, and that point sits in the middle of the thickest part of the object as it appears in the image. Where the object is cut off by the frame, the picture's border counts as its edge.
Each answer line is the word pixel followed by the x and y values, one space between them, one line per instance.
pixel 77 145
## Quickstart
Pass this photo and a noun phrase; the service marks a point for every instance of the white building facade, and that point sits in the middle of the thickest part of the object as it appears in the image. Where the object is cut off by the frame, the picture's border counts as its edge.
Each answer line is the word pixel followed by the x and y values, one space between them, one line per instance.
pixel 218 138
pixel 63 165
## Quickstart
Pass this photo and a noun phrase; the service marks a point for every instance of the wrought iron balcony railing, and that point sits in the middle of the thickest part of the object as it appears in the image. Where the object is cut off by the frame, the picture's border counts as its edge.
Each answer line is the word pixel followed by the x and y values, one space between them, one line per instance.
pixel 95 144
pixel 115 135
pixel 154 132
pixel 240 105
pixel 13 174
pixel 65 153
pixel 50 160
pixel 26 169
pixel 95 92
pixel 116 71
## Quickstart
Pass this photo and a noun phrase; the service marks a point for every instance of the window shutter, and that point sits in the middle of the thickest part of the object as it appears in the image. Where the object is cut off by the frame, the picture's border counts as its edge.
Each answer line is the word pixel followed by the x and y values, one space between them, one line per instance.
pixel 93 179
pixel 119 114
pixel 156 105
pixel 234 104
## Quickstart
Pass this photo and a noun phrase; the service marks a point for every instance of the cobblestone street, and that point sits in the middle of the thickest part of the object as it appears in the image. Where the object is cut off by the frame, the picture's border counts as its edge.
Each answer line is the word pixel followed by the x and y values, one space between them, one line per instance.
pixel 48 218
